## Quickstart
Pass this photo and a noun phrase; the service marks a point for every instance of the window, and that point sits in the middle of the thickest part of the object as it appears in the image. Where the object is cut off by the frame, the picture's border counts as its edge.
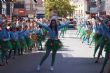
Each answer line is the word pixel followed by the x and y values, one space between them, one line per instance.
pixel 93 0
pixel 19 5
pixel 27 7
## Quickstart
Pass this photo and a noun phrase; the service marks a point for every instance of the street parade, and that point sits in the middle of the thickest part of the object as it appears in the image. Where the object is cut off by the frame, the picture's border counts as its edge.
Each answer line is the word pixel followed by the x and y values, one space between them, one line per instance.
pixel 30 37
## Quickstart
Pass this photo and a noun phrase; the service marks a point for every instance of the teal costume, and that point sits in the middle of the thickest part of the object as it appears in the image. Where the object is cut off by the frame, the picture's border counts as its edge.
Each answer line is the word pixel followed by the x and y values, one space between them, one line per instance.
pixel 29 42
pixel 15 43
pixel 53 44
pixel 6 44
pixel 22 41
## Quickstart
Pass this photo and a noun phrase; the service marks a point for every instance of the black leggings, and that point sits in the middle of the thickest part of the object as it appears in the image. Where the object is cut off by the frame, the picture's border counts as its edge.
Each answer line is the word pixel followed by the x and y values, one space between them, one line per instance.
pixel 47 54
pixel 105 62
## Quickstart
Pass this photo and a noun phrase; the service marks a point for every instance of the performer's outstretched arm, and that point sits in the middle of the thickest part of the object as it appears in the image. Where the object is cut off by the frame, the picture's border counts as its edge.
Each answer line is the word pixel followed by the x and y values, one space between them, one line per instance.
pixel 43 25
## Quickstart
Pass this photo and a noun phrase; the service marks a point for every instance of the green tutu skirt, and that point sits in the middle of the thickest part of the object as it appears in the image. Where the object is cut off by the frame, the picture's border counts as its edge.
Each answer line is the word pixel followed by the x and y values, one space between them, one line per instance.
pixel 6 45
pixel 29 42
pixel 16 44
pixel 107 46
pixel 23 44
pixel 102 41
pixel 53 44
pixel 40 38
pixel 97 37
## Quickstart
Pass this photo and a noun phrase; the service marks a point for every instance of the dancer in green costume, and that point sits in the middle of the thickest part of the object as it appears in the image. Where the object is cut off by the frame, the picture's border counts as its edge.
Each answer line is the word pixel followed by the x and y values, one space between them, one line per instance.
pixel 41 38
pixel 63 31
pixel 15 42
pixel 6 44
pixel 53 43
pixel 22 41
pixel 107 50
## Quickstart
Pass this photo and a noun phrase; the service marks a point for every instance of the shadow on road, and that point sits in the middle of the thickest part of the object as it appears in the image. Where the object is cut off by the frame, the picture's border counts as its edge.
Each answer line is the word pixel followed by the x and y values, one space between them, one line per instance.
pixel 64 64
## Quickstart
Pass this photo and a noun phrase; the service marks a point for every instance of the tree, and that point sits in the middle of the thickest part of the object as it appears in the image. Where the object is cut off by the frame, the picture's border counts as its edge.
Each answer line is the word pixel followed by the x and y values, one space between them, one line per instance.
pixel 62 7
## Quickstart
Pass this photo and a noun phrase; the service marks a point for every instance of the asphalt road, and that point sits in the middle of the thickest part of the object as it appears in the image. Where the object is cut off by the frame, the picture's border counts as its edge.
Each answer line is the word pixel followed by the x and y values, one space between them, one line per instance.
pixel 75 57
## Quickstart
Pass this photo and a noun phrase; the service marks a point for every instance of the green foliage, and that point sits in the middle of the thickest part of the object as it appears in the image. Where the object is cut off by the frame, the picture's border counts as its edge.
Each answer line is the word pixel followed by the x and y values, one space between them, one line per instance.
pixel 62 7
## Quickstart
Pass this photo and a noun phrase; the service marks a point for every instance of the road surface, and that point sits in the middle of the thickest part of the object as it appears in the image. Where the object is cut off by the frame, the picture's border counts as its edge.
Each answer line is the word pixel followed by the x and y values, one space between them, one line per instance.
pixel 74 58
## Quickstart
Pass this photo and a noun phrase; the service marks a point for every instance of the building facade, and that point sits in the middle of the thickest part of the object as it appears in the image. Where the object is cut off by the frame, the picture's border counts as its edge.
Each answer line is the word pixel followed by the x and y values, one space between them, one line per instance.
pixel 107 7
pixel 81 8
pixel 19 8
pixel 101 7
pixel 92 8
pixel 40 9
pixel 30 8
pixel 96 7
pixel 34 9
